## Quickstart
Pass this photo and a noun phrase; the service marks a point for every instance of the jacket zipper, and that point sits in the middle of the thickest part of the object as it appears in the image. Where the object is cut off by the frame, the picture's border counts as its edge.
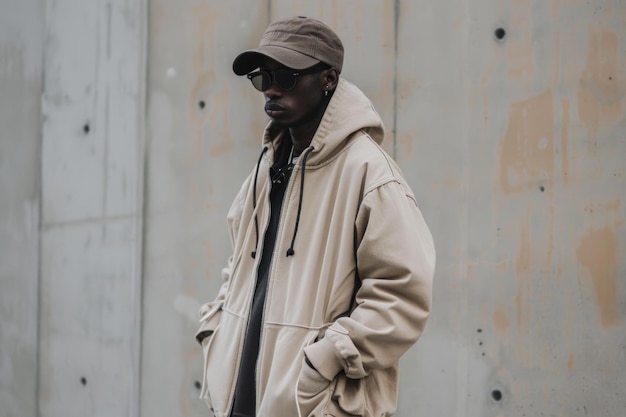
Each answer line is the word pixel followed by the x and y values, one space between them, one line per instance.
pixel 251 291
pixel 251 294
pixel 280 227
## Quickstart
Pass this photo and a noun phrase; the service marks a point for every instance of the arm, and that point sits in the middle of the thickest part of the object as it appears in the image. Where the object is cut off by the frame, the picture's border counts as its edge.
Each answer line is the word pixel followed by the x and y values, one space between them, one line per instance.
pixel 210 312
pixel 395 259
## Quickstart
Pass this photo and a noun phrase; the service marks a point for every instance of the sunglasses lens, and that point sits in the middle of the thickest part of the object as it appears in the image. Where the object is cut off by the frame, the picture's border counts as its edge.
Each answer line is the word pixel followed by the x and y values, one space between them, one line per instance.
pixel 285 79
pixel 261 81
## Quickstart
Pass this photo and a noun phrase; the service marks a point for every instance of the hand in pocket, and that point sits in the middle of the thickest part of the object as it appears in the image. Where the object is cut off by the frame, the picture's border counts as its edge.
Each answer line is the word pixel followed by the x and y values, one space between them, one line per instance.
pixel 312 389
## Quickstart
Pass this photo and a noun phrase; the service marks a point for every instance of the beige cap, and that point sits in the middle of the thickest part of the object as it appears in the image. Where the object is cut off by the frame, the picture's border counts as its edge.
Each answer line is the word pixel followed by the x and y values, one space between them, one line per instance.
pixel 296 42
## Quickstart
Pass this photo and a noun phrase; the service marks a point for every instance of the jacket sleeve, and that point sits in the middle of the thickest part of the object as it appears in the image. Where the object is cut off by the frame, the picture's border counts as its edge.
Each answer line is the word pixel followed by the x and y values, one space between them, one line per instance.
pixel 210 312
pixel 395 257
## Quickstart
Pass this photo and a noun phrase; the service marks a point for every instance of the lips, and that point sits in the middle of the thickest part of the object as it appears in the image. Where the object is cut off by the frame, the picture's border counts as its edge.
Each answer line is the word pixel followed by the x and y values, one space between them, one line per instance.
pixel 274 109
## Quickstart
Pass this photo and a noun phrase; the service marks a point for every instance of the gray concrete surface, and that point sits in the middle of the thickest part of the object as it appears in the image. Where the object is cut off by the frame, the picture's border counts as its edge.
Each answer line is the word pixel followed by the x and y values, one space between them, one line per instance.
pixel 508 119
pixel 21 69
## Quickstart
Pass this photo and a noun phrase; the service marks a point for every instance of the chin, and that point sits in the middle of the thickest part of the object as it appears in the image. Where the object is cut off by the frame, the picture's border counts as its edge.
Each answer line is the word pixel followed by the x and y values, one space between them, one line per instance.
pixel 280 122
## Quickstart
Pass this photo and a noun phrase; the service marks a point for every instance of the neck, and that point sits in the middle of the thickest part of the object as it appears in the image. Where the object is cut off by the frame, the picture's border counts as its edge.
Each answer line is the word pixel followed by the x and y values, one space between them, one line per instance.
pixel 302 134
pixel 301 138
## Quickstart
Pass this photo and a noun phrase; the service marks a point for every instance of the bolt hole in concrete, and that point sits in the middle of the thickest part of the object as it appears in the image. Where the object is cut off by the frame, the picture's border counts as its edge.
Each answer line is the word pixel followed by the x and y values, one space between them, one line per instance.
pixel 86 128
pixel 542 188
pixel 201 104
pixel 496 394
pixel 83 381
pixel 197 384
pixel 500 33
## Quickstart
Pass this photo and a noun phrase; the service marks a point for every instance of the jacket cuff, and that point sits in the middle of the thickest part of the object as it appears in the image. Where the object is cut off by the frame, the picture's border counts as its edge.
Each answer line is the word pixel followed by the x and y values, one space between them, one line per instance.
pixel 203 334
pixel 323 356
pixel 208 326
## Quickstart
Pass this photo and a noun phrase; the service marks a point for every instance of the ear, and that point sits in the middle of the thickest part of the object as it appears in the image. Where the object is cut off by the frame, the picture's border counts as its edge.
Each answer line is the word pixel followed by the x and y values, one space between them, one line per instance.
pixel 330 78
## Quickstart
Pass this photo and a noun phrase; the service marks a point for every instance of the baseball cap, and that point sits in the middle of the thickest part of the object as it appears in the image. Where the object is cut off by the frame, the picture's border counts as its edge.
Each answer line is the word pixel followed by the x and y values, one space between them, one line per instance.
pixel 296 42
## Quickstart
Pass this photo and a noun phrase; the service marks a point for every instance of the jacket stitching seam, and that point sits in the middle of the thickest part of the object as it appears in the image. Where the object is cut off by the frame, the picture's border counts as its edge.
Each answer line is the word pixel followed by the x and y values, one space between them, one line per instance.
pixel 351 139
pixel 380 184
pixel 299 326
pixel 232 313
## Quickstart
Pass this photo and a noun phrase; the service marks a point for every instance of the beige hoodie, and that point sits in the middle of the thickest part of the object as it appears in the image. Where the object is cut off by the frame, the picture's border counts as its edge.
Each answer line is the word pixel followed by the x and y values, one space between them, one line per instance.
pixel 353 297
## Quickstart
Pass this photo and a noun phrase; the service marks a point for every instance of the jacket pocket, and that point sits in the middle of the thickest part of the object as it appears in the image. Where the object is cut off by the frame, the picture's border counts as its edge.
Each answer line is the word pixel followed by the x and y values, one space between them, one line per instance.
pixel 348 399
pixel 312 391
pixel 209 320
pixel 206 350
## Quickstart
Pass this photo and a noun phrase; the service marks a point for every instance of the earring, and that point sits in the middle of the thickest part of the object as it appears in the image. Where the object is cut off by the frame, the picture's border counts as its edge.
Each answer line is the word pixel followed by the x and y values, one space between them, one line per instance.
pixel 326 90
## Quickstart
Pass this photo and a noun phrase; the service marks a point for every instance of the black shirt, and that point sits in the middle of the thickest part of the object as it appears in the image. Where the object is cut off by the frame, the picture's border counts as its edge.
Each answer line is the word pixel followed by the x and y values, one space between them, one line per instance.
pixel 244 403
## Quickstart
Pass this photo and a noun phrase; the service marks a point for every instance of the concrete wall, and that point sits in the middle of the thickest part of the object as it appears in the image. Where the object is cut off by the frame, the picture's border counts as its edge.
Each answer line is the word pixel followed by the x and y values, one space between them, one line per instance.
pixel 21 68
pixel 508 119
pixel 72 106
pixel 92 207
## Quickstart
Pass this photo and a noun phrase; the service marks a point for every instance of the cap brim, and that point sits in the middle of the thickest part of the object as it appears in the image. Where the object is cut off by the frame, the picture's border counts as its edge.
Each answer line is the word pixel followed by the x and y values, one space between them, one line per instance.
pixel 253 58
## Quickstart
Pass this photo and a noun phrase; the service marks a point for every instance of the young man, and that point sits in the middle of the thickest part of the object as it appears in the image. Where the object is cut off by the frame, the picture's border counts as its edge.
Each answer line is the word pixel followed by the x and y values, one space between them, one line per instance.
pixel 331 274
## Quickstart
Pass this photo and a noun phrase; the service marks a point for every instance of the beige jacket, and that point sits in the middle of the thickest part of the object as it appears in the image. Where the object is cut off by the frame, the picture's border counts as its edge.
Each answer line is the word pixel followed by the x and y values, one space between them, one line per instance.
pixel 354 296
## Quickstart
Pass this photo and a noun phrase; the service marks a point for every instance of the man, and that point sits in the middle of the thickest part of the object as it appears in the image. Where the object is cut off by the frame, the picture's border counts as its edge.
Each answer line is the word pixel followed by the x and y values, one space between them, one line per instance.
pixel 331 274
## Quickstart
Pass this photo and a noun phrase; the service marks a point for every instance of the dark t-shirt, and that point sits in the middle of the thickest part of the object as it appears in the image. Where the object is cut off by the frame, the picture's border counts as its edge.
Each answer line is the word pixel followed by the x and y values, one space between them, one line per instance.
pixel 244 404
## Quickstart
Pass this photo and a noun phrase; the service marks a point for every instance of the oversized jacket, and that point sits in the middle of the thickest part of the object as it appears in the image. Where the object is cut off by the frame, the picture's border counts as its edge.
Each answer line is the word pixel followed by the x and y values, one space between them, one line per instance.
pixel 354 291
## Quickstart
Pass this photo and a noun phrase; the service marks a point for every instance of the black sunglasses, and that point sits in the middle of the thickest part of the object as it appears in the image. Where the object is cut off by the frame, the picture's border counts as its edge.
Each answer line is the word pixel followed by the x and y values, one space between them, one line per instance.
pixel 285 78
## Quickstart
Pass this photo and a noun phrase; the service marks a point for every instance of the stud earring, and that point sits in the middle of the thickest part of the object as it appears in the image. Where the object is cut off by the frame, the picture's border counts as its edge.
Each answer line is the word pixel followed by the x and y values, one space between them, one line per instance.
pixel 326 90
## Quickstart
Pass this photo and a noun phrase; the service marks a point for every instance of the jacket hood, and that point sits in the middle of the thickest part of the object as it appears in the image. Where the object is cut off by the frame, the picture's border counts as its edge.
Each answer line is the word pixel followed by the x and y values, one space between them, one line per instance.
pixel 348 111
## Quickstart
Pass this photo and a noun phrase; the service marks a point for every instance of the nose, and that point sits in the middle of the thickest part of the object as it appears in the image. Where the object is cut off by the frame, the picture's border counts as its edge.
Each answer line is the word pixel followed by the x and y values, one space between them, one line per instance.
pixel 272 91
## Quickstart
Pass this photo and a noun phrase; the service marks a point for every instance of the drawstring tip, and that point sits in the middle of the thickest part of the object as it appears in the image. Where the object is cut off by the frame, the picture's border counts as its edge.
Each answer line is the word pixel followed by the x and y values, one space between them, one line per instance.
pixel 290 252
pixel 253 254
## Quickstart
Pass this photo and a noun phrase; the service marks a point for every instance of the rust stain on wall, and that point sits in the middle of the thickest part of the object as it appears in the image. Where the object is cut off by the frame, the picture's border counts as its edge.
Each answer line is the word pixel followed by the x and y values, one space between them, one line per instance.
pixel 500 321
pixel 209 260
pixel 522 269
pixel 210 205
pixel 601 93
pixel 158 17
pixel 218 117
pixel 204 26
pixel 484 84
pixel 405 142
pixel 570 362
pixel 196 117
pixel 554 8
pixel 555 5
pixel 520 59
pixel 470 271
pixel 358 24
pixel 527 150
pixel 598 254
pixel 565 121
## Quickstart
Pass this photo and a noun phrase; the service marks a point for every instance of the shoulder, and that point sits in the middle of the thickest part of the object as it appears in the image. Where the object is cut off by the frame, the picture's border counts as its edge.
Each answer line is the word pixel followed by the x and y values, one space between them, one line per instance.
pixel 365 155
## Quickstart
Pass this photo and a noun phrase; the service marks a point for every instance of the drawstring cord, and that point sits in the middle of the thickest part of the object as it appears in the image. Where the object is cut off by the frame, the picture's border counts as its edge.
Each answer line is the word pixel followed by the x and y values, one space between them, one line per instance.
pixel 256 219
pixel 290 251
